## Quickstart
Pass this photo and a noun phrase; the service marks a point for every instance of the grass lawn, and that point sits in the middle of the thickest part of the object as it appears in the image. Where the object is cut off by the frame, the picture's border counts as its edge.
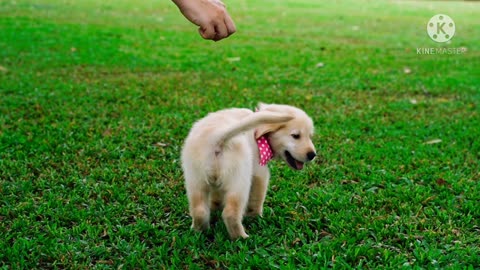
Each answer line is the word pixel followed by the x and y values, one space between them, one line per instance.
pixel 96 98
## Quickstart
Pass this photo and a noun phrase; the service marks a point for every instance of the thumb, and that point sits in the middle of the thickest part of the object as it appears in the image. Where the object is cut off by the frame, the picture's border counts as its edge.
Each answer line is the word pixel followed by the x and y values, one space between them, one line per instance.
pixel 207 32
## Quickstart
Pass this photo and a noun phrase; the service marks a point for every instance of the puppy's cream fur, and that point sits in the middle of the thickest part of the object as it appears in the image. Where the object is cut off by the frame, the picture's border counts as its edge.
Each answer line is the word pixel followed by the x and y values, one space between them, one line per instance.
pixel 220 160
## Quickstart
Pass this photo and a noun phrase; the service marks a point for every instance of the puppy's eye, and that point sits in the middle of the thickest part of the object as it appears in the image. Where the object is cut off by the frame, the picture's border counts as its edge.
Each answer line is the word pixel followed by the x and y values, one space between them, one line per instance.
pixel 296 136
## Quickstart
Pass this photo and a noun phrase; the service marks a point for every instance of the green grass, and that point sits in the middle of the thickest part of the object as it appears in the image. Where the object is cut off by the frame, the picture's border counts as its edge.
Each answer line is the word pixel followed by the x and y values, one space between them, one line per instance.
pixel 97 97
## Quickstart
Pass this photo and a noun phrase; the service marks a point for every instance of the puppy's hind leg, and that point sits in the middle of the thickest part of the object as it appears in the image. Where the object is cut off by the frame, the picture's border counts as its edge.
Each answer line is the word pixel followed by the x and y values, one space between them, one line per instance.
pixel 257 193
pixel 233 214
pixel 198 194
pixel 236 198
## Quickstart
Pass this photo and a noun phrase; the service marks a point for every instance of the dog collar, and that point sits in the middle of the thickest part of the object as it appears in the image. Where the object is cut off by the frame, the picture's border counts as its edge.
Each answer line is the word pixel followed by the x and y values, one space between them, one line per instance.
pixel 265 150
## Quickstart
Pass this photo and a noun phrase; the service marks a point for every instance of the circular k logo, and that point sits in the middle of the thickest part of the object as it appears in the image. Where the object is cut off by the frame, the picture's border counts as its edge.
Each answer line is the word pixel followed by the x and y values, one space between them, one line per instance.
pixel 441 28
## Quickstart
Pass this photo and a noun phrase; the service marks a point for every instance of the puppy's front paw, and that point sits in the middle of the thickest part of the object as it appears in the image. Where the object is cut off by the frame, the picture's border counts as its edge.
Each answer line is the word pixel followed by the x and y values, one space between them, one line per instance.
pixel 200 219
pixel 200 225
pixel 239 235
pixel 252 212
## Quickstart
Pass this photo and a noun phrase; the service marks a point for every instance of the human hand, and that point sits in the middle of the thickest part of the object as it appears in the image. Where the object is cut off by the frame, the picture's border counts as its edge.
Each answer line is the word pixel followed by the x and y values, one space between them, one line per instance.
pixel 210 15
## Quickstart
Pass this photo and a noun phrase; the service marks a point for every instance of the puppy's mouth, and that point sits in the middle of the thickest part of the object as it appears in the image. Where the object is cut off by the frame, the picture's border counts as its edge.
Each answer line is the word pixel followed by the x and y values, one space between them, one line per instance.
pixel 297 165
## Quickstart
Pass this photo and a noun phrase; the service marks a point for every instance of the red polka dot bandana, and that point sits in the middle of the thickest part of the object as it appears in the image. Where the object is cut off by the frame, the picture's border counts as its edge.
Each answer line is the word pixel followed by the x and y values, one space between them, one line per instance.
pixel 265 151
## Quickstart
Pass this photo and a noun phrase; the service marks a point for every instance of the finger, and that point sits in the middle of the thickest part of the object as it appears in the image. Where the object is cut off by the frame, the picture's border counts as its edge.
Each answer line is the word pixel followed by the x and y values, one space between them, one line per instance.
pixel 230 25
pixel 207 32
pixel 220 31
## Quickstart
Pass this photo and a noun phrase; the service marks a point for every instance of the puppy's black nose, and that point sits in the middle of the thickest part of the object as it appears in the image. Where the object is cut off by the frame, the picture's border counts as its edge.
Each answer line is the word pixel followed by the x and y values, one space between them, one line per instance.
pixel 311 155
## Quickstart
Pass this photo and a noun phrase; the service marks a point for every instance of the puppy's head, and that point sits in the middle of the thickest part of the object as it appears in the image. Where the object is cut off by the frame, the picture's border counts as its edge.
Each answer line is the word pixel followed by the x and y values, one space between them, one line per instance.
pixel 292 140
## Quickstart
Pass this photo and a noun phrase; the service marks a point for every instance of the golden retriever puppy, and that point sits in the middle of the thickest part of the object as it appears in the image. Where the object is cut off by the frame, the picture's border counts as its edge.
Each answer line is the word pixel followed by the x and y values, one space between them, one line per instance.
pixel 224 160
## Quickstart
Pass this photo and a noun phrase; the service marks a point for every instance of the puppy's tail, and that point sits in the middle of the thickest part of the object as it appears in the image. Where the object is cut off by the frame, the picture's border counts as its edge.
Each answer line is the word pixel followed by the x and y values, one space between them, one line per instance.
pixel 251 122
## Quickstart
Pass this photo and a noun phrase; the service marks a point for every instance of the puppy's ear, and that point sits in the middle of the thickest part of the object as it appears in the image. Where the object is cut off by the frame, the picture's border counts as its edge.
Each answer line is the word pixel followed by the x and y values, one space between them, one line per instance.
pixel 279 118
pixel 267 128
